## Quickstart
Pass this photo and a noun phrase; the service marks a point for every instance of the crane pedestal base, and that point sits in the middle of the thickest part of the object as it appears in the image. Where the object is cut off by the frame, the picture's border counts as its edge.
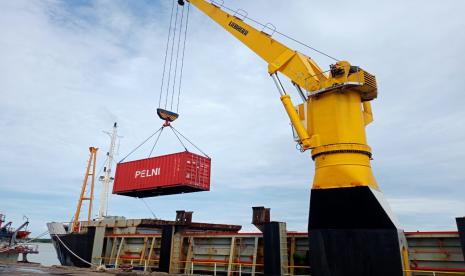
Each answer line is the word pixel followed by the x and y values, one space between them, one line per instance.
pixel 361 252
pixel 461 228
pixel 352 232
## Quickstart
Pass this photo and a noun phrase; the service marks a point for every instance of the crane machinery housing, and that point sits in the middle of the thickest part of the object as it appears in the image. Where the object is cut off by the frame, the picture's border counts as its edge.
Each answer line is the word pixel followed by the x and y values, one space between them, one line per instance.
pixel 352 230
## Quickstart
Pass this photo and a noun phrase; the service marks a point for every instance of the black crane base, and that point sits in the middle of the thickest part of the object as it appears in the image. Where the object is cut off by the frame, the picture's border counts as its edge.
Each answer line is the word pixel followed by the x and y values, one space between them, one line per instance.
pixel 353 232
pixel 347 252
pixel 461 228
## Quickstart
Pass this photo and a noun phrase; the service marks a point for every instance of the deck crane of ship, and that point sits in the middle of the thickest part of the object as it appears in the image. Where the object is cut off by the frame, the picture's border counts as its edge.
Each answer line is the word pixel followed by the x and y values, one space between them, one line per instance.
pixel 352 230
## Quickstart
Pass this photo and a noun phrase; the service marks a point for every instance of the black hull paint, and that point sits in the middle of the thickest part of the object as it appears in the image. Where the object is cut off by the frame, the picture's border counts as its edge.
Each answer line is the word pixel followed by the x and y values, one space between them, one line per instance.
pixel 80 244
pixel 461 229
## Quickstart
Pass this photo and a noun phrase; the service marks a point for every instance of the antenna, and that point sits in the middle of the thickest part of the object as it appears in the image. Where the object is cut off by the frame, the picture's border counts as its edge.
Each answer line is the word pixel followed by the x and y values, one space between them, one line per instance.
pixel 106 178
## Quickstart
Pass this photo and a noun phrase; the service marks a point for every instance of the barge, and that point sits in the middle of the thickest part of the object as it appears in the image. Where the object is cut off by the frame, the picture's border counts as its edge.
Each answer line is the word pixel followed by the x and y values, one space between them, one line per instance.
pixel 182 246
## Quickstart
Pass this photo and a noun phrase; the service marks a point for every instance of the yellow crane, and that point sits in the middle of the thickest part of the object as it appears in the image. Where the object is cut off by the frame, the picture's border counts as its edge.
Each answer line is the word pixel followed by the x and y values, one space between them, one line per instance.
pixel 352 230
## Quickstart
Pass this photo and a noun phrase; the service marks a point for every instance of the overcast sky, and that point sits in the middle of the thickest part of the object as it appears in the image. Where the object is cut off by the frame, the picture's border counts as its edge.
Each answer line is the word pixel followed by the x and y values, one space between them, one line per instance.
pixel 69 69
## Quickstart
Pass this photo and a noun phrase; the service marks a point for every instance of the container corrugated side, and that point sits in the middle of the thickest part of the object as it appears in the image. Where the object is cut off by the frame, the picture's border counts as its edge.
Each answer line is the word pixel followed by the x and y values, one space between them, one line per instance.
pixel 167 174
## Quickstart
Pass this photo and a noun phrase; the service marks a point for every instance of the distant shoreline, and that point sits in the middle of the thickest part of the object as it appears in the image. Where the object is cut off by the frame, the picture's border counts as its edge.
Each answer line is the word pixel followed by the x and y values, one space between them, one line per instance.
pixel 42 241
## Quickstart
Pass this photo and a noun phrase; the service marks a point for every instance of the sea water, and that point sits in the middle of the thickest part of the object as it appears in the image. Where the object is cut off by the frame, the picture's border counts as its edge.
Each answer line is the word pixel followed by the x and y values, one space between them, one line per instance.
pixel 47 255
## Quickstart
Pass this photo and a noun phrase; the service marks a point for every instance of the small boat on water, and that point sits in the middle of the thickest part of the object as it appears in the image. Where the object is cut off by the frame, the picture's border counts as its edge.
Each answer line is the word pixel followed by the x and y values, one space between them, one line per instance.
pixel 12 241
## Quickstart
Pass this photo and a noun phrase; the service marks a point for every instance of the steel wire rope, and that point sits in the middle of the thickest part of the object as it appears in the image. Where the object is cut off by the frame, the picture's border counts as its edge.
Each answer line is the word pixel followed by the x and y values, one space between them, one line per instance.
pixel 37 237
pixel 185 138
pixel 177 58
pixel 148 207
pixel 99 172
pixel 179 139
pixel 24 243
pixel 145 141
pixel 70 251
pixel 102 166
pixel 183 54
pixel 171 56
pixel 318 74
pixel 166 55
pixel 156 141
pixel 284 35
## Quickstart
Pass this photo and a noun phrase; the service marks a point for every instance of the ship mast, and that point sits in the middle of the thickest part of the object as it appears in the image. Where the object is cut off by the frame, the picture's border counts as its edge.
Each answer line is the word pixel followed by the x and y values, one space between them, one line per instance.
pixel 106 178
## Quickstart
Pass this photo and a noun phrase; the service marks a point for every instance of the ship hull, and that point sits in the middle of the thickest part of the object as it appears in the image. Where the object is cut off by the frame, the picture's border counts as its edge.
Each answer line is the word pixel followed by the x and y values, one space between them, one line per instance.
pixel 182 246
pixel 74 249
pixel 10 256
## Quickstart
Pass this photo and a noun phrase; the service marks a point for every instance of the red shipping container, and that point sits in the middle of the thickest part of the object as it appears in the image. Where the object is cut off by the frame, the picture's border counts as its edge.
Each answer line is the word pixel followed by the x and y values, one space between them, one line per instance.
pixel 176 173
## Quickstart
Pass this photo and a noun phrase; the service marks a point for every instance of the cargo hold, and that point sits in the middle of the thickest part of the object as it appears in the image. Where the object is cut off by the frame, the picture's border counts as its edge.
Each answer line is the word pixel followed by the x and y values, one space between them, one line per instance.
pixel 176 173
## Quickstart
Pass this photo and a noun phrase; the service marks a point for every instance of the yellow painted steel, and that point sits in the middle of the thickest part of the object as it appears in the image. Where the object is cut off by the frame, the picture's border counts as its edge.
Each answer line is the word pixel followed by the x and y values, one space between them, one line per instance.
pixel 90 171
pixel 305 139
pixel 343 157
pixel 434 272
pixel 332 122
pixel 405 262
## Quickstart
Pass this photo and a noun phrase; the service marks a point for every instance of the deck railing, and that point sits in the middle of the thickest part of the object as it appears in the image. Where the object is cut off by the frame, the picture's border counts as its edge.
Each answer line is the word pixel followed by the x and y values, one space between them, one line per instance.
pixel 218 267
pixel 240 268
pixel 417 272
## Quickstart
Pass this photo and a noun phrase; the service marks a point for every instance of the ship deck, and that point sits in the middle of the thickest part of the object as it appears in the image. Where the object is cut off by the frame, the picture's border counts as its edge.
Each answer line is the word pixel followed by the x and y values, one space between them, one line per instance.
pixel 219 249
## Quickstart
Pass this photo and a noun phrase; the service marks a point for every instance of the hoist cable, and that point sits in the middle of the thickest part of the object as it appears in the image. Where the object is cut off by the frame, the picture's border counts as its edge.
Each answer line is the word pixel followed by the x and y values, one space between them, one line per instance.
pixel 308 46
pixel 156 141
pixel 179 139
pixel 148 207
pixel 189 141
pixel 145 141
pixel 182 58
pixel 282 34
pixel 171 57
pixel 166 55
pixel 177 58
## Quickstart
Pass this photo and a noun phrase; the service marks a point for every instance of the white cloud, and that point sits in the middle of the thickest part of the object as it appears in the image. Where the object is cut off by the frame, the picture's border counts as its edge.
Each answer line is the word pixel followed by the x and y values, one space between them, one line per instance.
pixel 427 213
pixel 69 71
pixel 427 206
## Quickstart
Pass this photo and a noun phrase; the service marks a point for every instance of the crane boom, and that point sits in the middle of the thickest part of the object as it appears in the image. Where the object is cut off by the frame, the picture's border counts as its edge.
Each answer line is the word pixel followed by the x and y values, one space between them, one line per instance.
pixel 298 67
pixel 346 202
pixel 278 56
